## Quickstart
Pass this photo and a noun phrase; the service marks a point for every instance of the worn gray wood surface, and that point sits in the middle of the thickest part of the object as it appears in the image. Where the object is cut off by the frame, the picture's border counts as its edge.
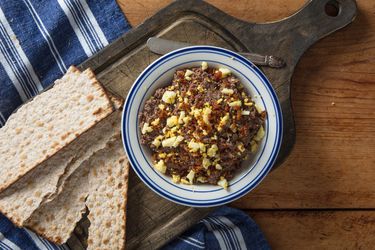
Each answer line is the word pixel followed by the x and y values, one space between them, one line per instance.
pixel 153 221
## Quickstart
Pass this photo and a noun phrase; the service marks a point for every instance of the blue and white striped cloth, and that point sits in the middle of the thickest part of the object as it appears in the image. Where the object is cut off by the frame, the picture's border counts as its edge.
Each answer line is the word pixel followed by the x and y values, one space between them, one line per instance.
pixel 12 238
pixel 39 40
pixel 225 228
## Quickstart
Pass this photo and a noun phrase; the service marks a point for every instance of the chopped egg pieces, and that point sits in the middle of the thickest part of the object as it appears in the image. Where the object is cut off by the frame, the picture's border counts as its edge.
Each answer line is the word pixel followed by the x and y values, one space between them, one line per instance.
pixel 146 128
pixel 169 97
pixel 206 114
pixel 195 146
pixel 172 121
pixel 202 110
pixel 161 167
pixel 254 146
pixel 181 117
pixel 223 122
pixel 211 152
pixel 224 72
pixel 260 134
pixel 259 108
pixel 223 182
pixel 206 163
pixel 157 141
pixel 176 178
pixel 226 91
pixel 173 141
pixel 155 122
pixel 204 66
pixel 235 104
pixel 188 73
pixel 190 176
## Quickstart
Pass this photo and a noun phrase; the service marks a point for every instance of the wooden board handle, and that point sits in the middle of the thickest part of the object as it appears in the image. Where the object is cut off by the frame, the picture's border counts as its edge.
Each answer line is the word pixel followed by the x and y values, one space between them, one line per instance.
pixel 315 20
pixel 289 38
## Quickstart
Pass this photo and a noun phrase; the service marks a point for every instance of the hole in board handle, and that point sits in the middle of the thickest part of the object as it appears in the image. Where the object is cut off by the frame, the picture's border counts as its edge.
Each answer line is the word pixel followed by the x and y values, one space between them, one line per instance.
pixel 332 8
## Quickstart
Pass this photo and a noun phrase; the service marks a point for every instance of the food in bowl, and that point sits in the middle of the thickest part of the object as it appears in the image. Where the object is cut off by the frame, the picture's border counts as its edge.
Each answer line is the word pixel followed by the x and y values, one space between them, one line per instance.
pixel 201 126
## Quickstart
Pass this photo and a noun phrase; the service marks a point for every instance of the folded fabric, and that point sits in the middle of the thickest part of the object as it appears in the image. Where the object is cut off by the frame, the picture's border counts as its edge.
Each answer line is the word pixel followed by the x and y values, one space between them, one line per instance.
pixel 12 238
pixel 40 39
pixel 225 228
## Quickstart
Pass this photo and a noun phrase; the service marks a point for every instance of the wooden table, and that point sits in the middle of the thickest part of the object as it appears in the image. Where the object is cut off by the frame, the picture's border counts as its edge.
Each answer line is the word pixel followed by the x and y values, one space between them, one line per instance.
pixel 323 196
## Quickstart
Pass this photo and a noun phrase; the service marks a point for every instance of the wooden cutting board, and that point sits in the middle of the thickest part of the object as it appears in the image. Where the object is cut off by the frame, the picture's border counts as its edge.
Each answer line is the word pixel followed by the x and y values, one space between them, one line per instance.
pixel 152 220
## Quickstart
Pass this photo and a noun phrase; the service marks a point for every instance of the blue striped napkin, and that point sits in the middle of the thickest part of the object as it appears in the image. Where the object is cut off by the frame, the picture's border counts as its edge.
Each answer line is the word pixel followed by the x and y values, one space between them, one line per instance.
pixel 225 228
pixel 39 40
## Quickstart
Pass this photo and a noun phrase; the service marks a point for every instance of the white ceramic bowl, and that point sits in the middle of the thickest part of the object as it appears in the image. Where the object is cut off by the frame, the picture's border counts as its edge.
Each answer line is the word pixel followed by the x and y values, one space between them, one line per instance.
pixel 159 74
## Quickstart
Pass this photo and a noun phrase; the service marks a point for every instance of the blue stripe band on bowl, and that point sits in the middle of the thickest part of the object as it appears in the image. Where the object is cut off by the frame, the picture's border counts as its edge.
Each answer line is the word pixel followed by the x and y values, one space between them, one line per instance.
pixel 232 196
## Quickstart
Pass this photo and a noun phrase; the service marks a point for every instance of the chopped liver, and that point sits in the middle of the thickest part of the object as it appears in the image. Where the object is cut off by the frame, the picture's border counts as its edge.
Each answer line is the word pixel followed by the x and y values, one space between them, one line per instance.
pixel 202 126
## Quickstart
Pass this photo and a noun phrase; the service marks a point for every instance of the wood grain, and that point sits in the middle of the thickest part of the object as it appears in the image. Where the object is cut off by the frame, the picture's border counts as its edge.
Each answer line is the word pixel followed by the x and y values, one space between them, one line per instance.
pixel 317 229
pixel 332 163
pixel 255 11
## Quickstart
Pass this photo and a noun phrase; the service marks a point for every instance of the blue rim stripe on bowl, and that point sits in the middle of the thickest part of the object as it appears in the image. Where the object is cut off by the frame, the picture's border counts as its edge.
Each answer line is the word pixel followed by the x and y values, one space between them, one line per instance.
pixel 256 180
